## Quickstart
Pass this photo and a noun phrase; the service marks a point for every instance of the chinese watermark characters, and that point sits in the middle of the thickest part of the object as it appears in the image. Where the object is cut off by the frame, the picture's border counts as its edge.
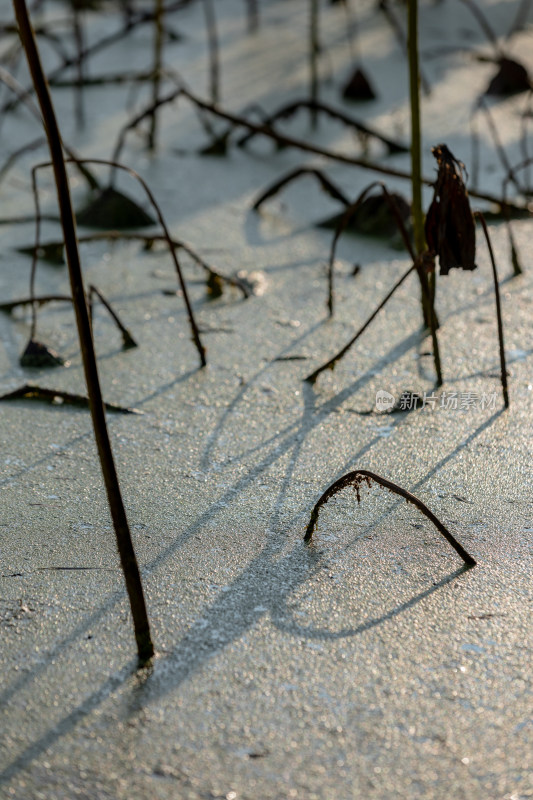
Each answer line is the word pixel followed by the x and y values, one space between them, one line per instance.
pixel 446 400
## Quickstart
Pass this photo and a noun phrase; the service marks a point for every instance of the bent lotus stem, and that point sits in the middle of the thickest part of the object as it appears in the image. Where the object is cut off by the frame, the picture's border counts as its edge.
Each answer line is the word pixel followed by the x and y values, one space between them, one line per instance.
pixel 116 166
pixel 359 476
pixel 332 361
pixel 327 185
pixel 350 210
pixel 418 265
pixel 283 140
pixel 341 227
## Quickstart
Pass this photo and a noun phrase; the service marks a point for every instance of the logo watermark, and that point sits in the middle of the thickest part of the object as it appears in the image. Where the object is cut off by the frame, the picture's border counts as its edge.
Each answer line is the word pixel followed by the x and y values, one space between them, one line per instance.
pixel 384 400
pixel 448 401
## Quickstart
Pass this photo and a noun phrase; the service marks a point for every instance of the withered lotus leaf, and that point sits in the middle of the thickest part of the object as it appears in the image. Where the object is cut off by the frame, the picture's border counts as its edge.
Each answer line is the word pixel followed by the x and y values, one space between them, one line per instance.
pixel 450 228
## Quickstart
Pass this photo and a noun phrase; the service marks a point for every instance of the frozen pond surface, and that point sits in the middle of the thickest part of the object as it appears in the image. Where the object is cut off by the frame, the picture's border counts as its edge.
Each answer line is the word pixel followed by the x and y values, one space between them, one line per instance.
pixel 369 664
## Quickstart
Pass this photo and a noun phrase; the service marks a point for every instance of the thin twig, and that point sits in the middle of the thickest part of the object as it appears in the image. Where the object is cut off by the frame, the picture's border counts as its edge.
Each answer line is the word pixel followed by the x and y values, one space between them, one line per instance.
pixel 332 361
pixel 41 300
pixel 32 392
pixel 127 338
pixel 288 110
pixel 116 78
pixel 26 148
pixel 500 150
pixel 327 185
pixel 517 268
pixel 149 239
pixel 289 141
pixel 503 367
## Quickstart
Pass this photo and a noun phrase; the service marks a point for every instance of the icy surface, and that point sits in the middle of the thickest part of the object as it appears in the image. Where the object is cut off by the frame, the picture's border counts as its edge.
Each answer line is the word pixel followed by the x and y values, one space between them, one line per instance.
pixel 369 664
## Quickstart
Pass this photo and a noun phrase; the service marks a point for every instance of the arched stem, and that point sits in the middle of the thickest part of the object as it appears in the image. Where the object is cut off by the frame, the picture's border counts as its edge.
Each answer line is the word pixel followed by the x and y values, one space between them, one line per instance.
pixel 356 478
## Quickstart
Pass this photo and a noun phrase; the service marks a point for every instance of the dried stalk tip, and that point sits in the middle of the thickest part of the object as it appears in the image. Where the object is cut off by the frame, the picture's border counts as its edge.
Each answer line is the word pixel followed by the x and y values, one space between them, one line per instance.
pixel 359 87
pixel 515 260
pixel 112 210
pixel 356 478
pixel 450 228
pixel 128 342
pixel 39 355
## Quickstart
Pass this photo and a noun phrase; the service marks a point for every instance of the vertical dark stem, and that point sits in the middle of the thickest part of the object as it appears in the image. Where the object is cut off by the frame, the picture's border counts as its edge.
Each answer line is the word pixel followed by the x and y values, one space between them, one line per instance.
pixel 125 545
pixel 212 37
pixel 156 81
pixel 314 50
pixel 253 15
pixel 414 81
pixel 78 36
pixel 474 138
pixel 428 284
pixel 503 366
pixel 35 255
